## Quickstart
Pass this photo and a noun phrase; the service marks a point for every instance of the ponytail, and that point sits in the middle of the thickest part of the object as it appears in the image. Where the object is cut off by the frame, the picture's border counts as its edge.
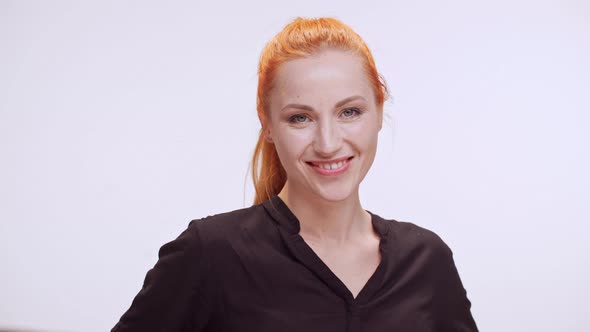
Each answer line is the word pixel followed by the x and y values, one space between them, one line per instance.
pixel 268 174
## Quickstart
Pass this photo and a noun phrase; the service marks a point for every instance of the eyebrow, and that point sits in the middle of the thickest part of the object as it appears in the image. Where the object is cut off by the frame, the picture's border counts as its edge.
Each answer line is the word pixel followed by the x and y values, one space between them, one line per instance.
pixel 338 104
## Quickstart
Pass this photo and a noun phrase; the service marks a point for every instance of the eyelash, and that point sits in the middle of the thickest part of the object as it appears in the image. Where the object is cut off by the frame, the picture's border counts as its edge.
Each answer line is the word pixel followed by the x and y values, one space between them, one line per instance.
pixel 292 119
pixel 356 111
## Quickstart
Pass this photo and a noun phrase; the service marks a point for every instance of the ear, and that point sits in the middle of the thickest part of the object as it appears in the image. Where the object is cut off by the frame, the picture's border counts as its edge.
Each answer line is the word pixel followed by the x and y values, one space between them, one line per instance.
pixel 267 134
pixel 265 130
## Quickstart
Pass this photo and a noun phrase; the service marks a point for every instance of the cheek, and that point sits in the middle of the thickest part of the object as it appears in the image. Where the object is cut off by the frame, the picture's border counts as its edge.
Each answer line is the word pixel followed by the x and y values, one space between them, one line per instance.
pixel 365 135
pixel 290 145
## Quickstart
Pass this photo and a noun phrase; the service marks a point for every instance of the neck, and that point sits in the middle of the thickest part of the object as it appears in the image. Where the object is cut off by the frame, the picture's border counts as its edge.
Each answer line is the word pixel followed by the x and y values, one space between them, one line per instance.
pixel 325 221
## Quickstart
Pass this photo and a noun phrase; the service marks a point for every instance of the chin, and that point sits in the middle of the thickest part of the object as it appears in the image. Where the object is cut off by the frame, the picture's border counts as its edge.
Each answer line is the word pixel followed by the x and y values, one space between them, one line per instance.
pixel 336 193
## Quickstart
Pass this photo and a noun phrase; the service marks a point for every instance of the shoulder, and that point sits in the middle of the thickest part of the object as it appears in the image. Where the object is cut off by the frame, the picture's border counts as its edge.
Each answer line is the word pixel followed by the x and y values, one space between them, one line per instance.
pixel 420 235
pixel 411 238
pixel 420 252
pixel 425 262
pixel 208 239
pixel 227 226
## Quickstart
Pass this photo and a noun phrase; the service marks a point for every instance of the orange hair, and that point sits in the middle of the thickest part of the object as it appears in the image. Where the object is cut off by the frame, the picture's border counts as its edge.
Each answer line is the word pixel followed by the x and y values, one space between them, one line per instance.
pixel 301 38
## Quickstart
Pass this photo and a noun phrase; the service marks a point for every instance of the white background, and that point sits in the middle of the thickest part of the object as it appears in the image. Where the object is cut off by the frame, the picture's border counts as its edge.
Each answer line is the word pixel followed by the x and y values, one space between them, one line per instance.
pixel 120 122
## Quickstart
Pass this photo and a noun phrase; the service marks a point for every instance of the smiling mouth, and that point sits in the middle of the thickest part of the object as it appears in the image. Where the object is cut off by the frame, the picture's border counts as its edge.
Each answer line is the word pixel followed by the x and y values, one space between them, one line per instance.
pixel 332 167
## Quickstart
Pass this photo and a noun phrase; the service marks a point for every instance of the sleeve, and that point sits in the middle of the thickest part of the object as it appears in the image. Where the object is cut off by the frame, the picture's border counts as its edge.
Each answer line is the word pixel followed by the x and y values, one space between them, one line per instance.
pixel 453 304
pixel 173 296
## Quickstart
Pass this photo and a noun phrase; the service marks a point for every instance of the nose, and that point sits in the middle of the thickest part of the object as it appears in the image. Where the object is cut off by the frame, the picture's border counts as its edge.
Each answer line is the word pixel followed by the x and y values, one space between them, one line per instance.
pixel 328 139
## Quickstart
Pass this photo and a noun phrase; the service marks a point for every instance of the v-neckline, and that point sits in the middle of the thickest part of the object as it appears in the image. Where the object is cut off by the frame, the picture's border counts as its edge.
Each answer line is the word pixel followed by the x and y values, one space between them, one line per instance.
pixel 289 227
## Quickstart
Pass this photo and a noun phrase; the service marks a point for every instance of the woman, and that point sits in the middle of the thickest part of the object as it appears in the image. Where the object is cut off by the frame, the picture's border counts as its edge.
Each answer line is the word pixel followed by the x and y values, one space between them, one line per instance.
pixel 306 256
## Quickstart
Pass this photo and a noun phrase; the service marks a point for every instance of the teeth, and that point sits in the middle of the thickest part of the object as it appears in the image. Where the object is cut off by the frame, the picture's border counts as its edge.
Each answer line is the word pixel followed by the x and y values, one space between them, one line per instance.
pixel 331 166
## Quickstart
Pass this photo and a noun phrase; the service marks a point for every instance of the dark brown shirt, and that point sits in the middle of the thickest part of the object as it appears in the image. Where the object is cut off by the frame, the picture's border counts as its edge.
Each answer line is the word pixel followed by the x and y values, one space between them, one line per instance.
pixel 250 270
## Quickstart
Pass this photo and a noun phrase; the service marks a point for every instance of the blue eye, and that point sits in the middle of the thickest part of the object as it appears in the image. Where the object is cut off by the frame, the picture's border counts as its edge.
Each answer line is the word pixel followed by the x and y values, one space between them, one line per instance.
pixel 298 118
pixel 351 112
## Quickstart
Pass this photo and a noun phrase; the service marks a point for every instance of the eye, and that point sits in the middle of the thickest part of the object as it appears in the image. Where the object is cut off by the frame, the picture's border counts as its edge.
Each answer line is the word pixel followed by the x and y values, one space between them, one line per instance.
pixel 298 118
pixel 351 112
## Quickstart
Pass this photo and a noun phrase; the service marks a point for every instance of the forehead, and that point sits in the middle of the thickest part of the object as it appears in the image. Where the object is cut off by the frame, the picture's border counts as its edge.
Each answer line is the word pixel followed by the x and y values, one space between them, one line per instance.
pixel 327 77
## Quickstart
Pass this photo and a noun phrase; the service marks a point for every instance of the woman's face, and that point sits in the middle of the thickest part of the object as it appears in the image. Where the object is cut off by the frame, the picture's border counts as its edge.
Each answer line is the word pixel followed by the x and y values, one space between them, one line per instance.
pixel 324 124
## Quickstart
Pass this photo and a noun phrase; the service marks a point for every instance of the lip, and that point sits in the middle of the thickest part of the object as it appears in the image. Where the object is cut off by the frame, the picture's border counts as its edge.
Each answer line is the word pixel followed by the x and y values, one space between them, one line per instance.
pixel 330 172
